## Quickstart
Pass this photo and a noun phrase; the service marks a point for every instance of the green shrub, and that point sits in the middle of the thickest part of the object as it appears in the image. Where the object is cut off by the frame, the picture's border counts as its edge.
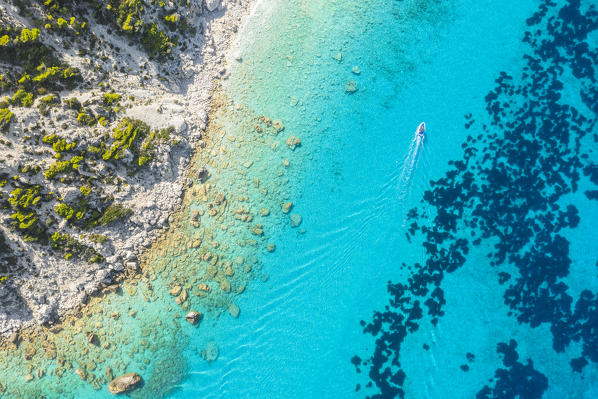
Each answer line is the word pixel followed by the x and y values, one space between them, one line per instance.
pixel 113 213
pixel 111 98
pixel 23 98
pixel 85 190
pixel 86 119
pixel 5 118
pixel 125 136
pixel 73 103
pixel 155 42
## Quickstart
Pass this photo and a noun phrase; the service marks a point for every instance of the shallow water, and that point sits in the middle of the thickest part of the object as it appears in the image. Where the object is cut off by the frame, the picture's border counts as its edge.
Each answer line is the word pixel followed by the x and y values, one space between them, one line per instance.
pixel 318 317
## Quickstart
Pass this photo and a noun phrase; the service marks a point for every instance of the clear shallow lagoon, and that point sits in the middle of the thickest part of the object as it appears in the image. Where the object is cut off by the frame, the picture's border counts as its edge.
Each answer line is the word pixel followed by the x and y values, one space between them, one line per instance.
pixel 307 327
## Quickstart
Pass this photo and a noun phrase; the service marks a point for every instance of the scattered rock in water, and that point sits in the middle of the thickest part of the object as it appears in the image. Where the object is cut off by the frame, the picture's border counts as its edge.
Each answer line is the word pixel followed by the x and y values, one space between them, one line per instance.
pixel 203 174
pixel 204 287
pixel 193 317
pixel 265 277
pixel 241 288
pixel 14 339
pixel 286 163
pixel 234 310
pixel 271 247
pixel 28 377
pixel 29 352
pixel 124 383
pixel 351 87
pixel 264 212
pixel 176 290
pixel 55 329
pixel 277 125
pixel 293 142
pixel 109 374
pixel 257 230
pixel 229 271
pixel 338 56
pixel 296 220
pixel 210 352
pixel 40 373
pixel 356 70
pixel 286 207
pixel 81 373
pixel 225 285
pixel 92 338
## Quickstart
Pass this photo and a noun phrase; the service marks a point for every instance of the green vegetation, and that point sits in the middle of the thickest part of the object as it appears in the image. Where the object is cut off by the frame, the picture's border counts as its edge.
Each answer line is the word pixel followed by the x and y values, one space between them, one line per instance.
pixel 63 167
pixel 73 103
pixel 5 118
pixel 68 245
pixel 98 238
pixel 111 98
pixel 155 42
pixel 113 213
pixel 23 203
pixel 68 212
pixel 126 136
pixel 86 118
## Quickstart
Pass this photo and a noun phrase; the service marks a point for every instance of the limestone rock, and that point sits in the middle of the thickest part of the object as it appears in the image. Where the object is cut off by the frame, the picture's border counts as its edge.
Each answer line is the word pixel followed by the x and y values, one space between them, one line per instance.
pixel 81 373
pixel 296 220
pixel 234 310
pixel 124 383
pixel 277 125
pixel 212 5
pixel 92 338
pixel 193 317
pixel 176 290
pixel 293 142
pixel 210 352
pixel 351 87
pixel 286 207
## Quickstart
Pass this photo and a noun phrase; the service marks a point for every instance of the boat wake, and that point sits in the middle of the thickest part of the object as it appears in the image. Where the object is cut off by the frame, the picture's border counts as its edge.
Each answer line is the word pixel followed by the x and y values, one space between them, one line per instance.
pixel 411 161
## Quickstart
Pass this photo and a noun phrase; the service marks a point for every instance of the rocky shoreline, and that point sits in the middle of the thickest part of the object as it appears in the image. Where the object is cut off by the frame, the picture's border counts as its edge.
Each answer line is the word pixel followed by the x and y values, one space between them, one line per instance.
pixel 43 285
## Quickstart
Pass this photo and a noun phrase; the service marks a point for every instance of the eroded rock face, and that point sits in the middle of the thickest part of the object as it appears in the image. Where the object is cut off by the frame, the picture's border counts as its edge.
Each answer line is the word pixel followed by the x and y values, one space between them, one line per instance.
pixel 124 383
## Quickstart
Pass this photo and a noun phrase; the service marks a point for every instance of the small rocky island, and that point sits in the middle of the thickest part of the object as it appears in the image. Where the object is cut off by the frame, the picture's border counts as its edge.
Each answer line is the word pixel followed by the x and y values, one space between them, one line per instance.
pixel 101 105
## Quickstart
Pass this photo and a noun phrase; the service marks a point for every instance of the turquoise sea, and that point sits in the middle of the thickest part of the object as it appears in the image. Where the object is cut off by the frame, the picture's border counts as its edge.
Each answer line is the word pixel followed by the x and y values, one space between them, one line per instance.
pixel 463 265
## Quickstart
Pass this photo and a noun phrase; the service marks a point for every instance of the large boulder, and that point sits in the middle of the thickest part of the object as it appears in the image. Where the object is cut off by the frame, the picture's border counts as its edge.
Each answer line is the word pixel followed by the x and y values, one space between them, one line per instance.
pixel 124 383
pixel 211 5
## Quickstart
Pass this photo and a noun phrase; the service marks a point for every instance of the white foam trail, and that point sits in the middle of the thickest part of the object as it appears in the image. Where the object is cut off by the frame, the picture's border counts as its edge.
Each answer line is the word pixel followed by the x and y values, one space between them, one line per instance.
pixel 409 165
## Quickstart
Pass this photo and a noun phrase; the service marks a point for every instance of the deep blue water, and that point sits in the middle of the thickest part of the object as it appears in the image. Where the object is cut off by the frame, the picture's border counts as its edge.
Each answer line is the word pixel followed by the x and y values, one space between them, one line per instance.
pixel 474 274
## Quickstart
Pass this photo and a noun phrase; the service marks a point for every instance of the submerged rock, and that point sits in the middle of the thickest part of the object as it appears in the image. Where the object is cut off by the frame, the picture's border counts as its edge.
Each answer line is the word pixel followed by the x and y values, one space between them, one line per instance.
pixel 81 373
pixel 124 383
pixel 277 125
pixel 92 338
pixel 286 207
pixel 176 290
pixel 203 174
pixel 234 310
pixel 351 87
pixel 296 220
pixel 293 142
pixel 210 352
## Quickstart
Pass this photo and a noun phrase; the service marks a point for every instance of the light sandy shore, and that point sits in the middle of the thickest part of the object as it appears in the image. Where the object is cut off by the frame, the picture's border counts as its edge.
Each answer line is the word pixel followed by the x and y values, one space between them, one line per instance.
pixel 51 286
